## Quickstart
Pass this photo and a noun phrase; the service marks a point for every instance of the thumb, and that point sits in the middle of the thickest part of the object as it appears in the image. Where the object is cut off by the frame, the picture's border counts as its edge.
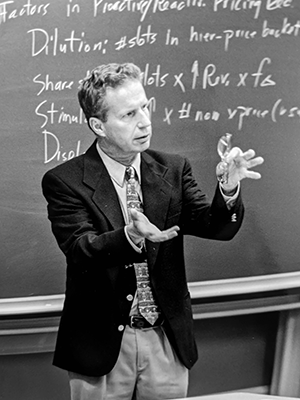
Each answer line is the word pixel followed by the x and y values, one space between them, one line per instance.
pixel 134 214
pixel 234 153
pixel 137 216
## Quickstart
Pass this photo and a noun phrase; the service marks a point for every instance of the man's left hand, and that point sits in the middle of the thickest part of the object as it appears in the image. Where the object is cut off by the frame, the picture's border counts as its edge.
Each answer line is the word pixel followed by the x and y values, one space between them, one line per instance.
pixel 239 164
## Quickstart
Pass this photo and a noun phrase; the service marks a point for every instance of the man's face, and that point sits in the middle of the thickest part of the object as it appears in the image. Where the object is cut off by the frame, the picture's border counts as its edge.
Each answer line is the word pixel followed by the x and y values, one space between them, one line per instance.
pixel 128 127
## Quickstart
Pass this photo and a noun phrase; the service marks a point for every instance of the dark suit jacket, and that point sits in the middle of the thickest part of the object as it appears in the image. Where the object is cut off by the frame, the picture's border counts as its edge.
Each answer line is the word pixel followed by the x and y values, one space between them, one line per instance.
pixel 87 222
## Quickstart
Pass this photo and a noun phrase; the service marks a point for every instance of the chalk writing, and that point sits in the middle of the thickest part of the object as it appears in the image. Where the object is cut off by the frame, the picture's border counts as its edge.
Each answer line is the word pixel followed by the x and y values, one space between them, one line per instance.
pixel 49 85
pixel 275 112
pixel 239 114
pixel 195 72
pixel 140 39
pixel 287 28
pixel 171 40
pixel 272 5
pixel 145 7
pixel 72 8
pixel 52 115
pixel 251 5
pixel 53 150
pixel 9 12
pixel 156 78
pixel 47 43
pixel 211 77
pixel 178 81
pixel 279 110
pixel 186 112
pixel 227 35
pixel 238 5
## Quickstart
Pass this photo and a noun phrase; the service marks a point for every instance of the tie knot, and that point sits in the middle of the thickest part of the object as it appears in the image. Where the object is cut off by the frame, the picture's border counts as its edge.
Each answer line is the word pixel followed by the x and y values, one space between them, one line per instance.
pixel 130 173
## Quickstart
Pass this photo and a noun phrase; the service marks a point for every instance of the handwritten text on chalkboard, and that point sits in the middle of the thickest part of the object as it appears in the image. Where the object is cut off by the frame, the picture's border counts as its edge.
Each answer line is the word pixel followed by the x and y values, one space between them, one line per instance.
pixel 75 39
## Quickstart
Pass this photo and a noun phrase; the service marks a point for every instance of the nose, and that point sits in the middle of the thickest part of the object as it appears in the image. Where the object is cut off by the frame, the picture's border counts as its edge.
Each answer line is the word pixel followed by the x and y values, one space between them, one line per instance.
pixel 144 118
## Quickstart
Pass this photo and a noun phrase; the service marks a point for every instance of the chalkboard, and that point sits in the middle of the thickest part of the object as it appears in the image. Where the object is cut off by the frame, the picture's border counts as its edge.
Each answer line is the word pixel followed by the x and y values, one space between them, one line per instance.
pixel 210 67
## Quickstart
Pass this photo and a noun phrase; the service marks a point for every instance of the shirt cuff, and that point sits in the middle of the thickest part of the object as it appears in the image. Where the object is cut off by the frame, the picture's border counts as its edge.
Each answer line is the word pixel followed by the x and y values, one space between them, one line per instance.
pixel 230 200
pixel 137 247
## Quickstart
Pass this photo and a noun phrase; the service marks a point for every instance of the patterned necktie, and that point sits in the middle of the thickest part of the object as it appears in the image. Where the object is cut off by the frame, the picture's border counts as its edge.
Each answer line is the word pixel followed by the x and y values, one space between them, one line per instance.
pixel 146 304
pixel 133 199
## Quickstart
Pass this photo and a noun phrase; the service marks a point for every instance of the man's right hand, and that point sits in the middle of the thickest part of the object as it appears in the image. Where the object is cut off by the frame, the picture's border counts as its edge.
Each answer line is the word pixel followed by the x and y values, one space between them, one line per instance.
pixel 141 228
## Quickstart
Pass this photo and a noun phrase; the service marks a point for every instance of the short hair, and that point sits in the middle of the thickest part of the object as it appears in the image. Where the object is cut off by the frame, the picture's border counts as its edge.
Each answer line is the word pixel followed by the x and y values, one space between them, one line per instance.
pixel 92 91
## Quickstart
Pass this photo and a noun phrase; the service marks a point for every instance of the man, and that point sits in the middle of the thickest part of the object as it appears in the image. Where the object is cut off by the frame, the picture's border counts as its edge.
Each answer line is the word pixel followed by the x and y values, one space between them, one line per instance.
pixel 126 329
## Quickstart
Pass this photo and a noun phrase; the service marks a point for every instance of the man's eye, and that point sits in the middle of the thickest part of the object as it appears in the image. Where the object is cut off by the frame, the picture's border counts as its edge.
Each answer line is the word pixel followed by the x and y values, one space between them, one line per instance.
pixel 130 114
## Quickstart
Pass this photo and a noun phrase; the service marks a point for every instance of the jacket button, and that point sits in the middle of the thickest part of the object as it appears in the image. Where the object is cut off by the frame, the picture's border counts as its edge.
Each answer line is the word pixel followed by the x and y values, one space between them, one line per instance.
pixel 129 297
pixel 121 328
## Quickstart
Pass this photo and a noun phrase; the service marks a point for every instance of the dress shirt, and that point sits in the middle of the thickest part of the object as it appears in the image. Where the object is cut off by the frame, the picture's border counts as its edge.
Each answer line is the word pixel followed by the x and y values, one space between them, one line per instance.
pixel 230 200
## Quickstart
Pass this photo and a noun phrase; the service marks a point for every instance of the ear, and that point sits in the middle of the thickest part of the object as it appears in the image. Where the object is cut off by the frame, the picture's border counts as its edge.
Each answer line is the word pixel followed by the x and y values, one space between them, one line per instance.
pixel 97 126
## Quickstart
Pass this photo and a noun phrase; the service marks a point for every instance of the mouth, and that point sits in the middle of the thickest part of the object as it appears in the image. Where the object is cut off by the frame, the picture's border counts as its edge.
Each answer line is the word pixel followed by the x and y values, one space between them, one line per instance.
pixel 143 138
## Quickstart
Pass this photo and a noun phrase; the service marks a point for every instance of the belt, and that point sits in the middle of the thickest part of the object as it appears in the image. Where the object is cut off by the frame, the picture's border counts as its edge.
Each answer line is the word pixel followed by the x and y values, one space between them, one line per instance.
pixel 139 322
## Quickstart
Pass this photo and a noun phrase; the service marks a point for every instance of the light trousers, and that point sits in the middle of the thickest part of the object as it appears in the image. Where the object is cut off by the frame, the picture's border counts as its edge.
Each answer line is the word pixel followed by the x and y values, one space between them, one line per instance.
pixel 147 369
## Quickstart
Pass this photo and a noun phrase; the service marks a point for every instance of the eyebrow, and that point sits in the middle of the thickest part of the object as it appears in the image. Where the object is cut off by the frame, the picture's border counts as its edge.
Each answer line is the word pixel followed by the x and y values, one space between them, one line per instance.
pixel 134 107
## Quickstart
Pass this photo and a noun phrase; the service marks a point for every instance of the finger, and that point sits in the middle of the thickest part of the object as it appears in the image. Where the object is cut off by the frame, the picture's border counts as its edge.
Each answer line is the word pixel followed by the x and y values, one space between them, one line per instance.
pixel 174 228
pixel 257 161
pixel 234 153
pixel 133 212
pixel 163 236
pixel 136 215
pixel 169 235
pixel 252 175
pixel 248 154
pixel 254 162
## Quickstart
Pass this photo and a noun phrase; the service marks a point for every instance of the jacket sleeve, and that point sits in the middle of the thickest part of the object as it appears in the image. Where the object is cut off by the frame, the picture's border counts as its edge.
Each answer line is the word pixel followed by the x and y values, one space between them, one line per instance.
pixel 82 232
pixel 204 219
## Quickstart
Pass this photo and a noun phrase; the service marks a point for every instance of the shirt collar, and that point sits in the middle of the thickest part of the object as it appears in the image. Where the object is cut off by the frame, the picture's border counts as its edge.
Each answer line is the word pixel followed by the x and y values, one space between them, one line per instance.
pixel 116 170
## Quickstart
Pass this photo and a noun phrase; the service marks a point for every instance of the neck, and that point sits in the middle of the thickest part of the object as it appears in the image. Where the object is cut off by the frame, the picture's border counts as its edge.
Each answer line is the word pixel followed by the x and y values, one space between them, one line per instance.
pixel 124 159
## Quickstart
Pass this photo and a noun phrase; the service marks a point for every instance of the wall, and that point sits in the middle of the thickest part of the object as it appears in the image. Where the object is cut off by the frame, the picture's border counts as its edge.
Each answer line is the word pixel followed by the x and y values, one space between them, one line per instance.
pixel 235 353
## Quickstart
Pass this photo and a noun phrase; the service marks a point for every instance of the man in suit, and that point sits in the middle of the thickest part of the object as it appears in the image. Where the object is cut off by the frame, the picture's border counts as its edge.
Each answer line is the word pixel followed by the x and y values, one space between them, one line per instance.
pixel 126 330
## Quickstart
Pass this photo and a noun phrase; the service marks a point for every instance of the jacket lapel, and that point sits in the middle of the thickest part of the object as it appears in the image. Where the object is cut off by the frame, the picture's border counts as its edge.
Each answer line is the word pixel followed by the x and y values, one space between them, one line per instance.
pixel 95 176
pixel 156 193
pixel 156 198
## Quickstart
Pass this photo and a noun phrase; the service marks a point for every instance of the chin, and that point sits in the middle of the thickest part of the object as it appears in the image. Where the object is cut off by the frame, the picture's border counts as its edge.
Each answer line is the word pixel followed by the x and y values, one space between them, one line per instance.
pixel 146 146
